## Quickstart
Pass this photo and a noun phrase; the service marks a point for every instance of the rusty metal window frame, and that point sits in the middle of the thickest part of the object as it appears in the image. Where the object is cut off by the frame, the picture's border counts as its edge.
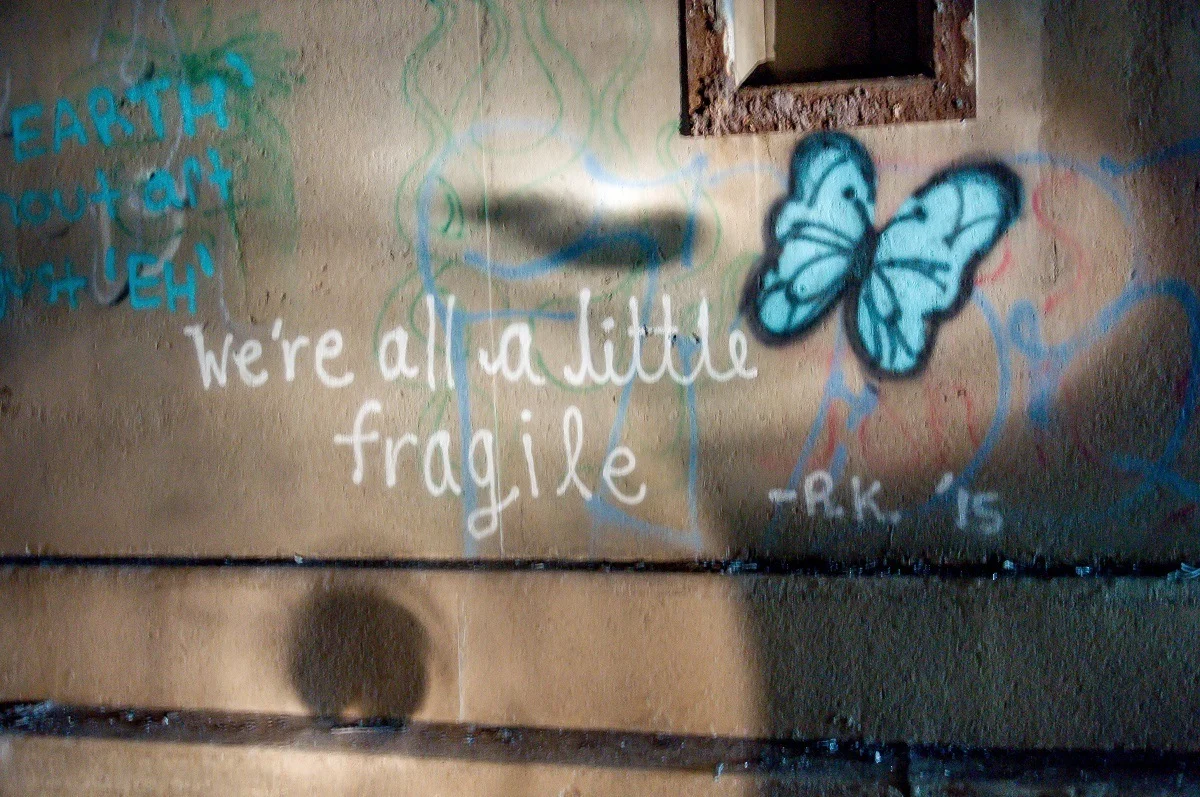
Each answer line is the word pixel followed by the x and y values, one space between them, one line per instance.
pixel 714 104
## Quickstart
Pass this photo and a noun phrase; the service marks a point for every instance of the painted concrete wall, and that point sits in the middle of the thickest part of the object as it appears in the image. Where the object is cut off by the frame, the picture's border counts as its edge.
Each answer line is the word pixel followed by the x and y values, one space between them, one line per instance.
pixel 318 278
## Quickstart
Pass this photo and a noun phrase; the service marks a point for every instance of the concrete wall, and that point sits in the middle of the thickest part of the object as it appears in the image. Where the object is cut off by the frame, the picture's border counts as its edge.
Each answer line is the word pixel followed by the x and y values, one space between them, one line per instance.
pixel 514 156
pixel 369 161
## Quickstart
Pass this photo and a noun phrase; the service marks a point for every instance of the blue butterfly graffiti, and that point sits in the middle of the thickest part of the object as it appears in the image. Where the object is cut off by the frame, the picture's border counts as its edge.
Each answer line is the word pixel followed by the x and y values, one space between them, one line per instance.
pixel 900 283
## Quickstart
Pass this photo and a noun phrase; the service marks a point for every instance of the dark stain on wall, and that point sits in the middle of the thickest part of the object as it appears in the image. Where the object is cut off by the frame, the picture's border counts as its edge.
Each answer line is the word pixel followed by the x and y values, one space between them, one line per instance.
pixel 612 238
pixel 354 652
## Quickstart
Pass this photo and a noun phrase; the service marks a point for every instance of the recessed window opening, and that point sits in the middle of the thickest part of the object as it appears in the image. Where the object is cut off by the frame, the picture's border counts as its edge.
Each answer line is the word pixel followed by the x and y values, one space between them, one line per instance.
pixel 755 66
pixel 831 40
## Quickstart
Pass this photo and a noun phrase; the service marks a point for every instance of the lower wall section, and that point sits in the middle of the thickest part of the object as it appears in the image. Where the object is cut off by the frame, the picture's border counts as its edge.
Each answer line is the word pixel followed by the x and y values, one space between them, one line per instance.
pixel 1072 663
pixel 68 767
pixel 312 763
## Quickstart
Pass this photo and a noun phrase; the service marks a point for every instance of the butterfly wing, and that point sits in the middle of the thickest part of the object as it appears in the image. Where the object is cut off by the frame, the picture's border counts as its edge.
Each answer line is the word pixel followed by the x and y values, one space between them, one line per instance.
pixel 923 268
pixel 812 237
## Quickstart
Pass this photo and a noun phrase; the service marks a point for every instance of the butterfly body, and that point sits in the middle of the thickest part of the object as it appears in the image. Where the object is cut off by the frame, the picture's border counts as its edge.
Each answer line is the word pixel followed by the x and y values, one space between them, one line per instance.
pixel 899 282
pixel 864 255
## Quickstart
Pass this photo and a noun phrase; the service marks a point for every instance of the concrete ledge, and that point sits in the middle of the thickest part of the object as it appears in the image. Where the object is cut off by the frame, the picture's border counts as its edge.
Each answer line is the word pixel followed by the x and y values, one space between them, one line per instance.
pixel 1063 664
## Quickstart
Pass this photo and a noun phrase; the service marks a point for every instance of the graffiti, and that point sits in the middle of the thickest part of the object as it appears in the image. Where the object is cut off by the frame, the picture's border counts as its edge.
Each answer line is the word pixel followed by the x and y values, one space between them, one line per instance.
pixel 978 512
pixel 151 282
pixel 900 283
pixel 161 195
pixel 651 316
pixel 894 288
pixel 328 348
pixel 818 493
pixel 1019 334
pixel 571 309
pixel 449 218
pixel 587 373
pixel 510 358
pixel 104 113
pixel 481 470
pixel 65 287
pixel 152 90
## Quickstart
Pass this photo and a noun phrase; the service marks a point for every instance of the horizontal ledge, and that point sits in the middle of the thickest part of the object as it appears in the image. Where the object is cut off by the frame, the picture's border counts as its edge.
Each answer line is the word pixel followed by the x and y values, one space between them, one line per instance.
pixel 993 568
pixel 468 742
pixel 829 759
pixel 904 83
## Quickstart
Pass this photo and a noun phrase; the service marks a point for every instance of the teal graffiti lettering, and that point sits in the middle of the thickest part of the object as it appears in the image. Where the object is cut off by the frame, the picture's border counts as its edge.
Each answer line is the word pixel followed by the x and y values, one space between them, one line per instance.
pixel 110 264
pixel 215 107
pixel 71 216
pixel 31 199
pixel 23 135
pixel 106 195
pixel 69 284
pixel 238 64
pixel 13 211
pixel 65 111
pixel 21 289
pixel 160 193
pixel 204 259
pixel 103 108
pixel 149 92
pixel 219 176
pixel 133 266
pixel 176 291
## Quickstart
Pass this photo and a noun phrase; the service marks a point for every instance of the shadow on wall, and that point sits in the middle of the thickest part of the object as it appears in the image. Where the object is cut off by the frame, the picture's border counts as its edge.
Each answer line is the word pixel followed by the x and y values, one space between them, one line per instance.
pixel 1106 78
pixel 621 238
pixel 355 653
